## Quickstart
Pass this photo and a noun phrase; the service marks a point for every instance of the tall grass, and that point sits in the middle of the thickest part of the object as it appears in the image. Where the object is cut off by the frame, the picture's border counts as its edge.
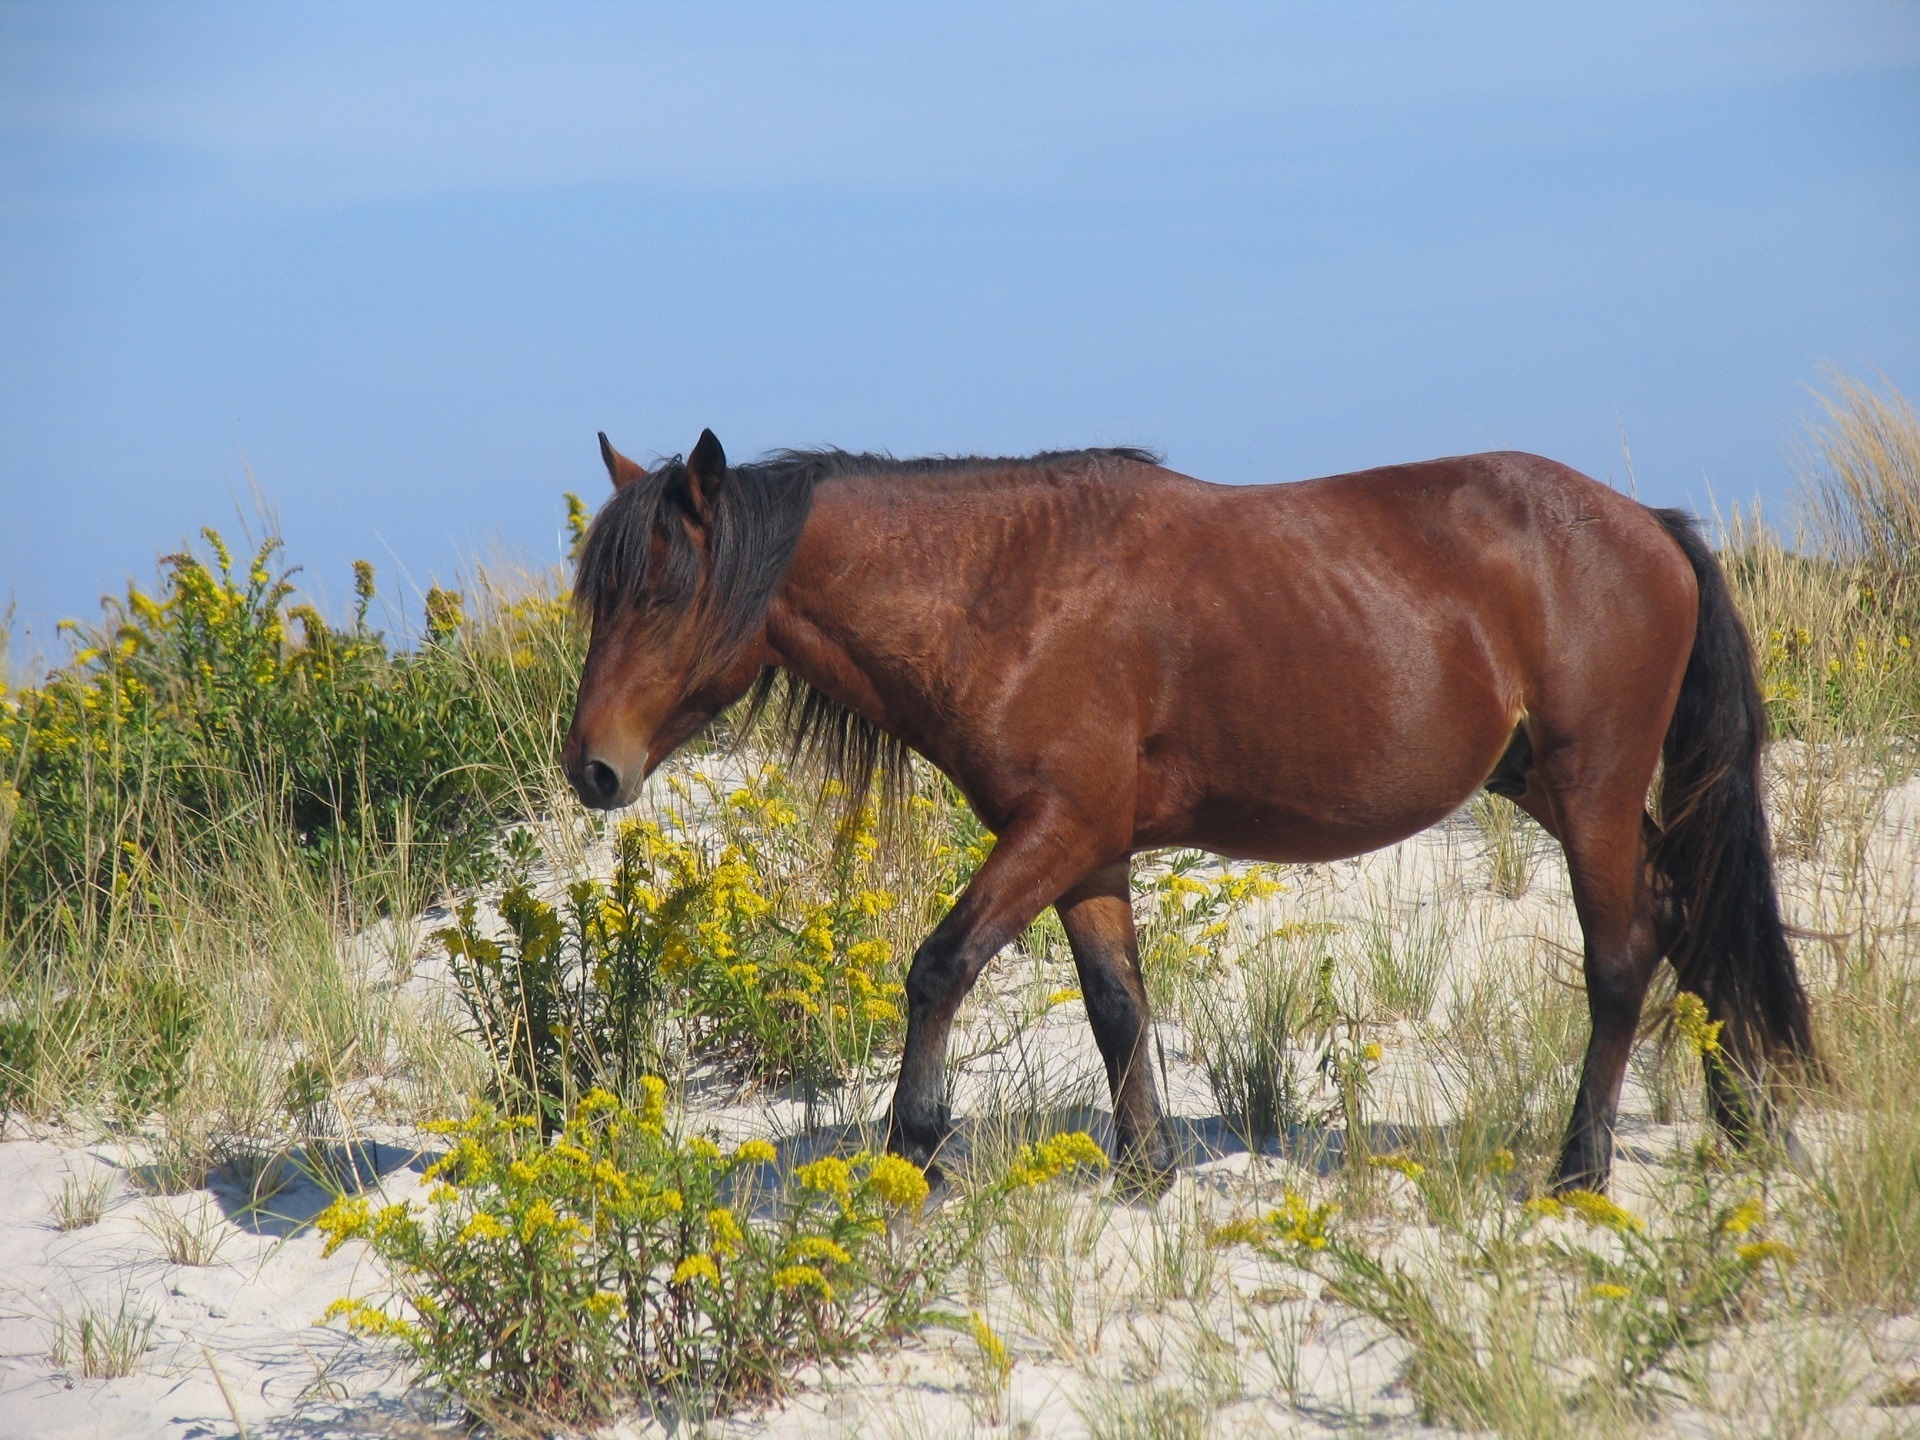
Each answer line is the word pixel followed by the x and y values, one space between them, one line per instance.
pixel 1860 479
pixel 207 801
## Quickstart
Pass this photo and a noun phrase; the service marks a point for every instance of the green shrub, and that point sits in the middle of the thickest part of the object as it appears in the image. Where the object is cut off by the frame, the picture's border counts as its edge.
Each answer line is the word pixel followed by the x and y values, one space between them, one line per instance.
pixel 151 747
pixel 549 1277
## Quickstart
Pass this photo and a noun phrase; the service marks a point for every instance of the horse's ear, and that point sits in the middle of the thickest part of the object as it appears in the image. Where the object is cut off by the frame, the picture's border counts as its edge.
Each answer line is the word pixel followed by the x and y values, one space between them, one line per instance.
pixel 706 472
pixel 622 471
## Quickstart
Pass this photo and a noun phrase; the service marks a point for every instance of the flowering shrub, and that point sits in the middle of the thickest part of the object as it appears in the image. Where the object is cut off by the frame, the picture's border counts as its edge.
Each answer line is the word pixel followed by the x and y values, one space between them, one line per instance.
pixel 1188 916
pixel 736 948
pixel 547 1276
pixel 1637 1301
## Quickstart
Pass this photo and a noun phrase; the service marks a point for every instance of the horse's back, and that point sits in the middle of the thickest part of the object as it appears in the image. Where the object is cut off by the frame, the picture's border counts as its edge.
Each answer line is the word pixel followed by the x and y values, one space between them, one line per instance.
pixel 1395 624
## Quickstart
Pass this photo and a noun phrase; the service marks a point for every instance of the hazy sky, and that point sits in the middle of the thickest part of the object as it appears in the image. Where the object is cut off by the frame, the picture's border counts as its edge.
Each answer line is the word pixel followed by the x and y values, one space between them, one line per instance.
pixel 401 261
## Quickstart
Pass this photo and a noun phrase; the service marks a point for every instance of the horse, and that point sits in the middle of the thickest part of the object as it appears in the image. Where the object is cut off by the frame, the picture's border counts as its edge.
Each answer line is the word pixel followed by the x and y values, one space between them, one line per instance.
pixel 1106 656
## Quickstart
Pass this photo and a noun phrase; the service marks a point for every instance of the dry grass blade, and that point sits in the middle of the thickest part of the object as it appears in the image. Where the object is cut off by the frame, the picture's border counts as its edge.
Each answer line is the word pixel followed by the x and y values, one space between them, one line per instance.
pixel 1860 477
pixel 185 1241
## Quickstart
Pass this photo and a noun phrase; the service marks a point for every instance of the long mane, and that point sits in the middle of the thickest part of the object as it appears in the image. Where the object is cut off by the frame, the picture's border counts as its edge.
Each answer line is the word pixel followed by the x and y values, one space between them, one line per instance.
pixel 640 557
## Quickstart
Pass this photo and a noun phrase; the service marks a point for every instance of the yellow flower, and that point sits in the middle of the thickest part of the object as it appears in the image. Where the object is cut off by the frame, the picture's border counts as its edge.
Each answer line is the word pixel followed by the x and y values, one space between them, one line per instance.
pixel 1370 1052
pixel 540 1216
pixel 1299 1223
pixel 702 1148
pixel 1412 1169
pixel 1547 1207
pixel 1038 1163
pixel 1599 1211
pixel 696 1267
pixel 1236 1232
pixel 1062 997
pixel 1763 1250
pixel 1690 1019
pixel 993 1350
pixel 481 1227
pixel 869 954
pixel 653 1103
pixel 830 1176
pixel 755 1152
pixel 1743 1217
pixel 725 1230
pixel 603 1303
pixel 365 1319
pixel 610 1178
pixel 346 1219
pixel 898 1181
pixel 1608 1291
pixel 1501 1163
pixel 818 1247
pixel 389 1219
pixel 803 1277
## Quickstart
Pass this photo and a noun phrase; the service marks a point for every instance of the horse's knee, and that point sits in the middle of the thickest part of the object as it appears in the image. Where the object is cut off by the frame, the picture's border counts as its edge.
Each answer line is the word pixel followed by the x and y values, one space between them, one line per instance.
pixel 1616 990
pixel 934 980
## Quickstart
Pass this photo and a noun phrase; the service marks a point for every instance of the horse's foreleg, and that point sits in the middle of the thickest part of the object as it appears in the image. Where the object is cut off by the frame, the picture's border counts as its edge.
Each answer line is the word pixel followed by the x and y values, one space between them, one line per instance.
pixel 1035 859
pixel 1098 916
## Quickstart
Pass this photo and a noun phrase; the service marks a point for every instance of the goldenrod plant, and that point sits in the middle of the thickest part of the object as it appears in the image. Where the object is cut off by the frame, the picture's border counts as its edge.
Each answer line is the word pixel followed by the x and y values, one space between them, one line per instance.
pixel 549 1276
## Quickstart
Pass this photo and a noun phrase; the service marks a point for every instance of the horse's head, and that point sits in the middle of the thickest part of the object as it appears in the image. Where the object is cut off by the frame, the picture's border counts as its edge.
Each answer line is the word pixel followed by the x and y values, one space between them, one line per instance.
pixel 667 580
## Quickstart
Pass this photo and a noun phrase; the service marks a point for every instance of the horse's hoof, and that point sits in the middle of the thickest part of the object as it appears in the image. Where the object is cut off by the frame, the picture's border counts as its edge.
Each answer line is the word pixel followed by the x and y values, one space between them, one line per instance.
pixel 1144 1178
pixel 1578 1179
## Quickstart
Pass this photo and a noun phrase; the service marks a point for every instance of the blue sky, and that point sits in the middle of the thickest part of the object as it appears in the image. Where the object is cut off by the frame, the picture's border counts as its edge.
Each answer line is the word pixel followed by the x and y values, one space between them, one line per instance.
pixel 399 262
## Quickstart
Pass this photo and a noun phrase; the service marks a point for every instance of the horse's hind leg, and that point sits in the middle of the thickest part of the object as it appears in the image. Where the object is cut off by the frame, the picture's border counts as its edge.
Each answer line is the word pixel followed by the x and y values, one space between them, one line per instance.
pixel 1098 916
pixel 1600 824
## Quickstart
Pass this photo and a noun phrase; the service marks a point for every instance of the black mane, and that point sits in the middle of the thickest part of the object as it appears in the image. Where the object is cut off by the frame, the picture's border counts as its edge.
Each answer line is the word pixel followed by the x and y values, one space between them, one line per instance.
pixel 639 557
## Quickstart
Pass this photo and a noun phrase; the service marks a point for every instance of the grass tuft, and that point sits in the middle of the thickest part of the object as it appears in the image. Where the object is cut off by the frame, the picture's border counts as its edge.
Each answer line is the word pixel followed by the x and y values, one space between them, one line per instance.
pixel 82 1200
pixel 102 1344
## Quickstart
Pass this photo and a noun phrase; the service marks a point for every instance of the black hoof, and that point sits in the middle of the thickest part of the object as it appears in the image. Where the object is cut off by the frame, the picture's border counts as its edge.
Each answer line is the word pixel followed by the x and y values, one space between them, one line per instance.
pixel 1579 1172
pixel 920 1144
pixel 1145 1173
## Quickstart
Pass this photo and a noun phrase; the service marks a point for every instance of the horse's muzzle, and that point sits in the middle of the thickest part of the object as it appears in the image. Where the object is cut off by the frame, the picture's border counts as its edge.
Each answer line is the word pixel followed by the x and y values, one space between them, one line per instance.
pixel 596 783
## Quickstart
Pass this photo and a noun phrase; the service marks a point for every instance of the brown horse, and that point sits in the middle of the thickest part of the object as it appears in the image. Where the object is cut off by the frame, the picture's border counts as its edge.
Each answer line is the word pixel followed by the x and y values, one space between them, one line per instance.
pixel 1108 657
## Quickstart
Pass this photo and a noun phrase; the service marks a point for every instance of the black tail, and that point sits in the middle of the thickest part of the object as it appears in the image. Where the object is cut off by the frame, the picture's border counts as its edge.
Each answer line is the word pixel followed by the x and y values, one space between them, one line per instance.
pixel 1731 948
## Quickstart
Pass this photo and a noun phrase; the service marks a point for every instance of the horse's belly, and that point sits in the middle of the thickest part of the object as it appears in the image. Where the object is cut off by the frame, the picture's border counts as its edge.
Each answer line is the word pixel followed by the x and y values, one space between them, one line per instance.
pixel 1243 830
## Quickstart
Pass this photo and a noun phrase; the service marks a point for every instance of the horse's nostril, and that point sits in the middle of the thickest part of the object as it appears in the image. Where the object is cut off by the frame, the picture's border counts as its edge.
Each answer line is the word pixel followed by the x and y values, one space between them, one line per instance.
pixel 602 781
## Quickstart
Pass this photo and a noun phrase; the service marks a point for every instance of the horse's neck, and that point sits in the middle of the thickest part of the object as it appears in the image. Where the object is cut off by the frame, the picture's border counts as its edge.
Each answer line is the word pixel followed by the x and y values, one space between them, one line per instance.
pixel 876 584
